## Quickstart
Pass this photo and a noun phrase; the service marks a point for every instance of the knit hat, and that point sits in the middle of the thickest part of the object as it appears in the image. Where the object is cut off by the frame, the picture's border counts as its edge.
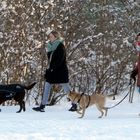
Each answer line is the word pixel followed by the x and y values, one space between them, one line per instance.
pixel 49 31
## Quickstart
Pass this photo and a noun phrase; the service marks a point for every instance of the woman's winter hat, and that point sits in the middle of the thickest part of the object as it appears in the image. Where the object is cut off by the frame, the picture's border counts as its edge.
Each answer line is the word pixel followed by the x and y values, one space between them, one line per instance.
pixel 49 31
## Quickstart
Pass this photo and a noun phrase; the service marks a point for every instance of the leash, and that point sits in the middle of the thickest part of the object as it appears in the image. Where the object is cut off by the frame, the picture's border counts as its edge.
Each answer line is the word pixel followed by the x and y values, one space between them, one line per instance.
pixel 120 100
pixel 80 98
pixel 88 101
pixel 85 96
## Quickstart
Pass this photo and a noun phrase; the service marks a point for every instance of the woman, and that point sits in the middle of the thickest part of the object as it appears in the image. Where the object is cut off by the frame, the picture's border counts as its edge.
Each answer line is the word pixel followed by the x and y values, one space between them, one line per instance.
pixel 57 72
pixel 137 44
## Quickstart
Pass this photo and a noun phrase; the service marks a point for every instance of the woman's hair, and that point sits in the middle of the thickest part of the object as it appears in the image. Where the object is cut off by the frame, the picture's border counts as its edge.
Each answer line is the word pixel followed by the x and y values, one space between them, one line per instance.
pixel 56 34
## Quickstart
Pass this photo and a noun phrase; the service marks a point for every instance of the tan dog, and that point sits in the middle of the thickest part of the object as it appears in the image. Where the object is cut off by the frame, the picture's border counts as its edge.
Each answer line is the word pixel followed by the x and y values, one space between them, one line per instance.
pixel 84 101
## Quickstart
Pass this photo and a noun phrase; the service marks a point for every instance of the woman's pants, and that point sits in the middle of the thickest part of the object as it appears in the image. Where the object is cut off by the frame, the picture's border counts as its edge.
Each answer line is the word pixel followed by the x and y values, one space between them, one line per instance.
pixel 47 90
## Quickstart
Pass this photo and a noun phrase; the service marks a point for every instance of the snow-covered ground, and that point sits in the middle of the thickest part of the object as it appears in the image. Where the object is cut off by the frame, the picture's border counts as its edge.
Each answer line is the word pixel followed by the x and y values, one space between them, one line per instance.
pixel 57 123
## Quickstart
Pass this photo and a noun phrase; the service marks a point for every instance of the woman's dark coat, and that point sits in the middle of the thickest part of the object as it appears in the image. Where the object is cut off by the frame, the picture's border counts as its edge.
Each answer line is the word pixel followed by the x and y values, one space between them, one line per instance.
pixel 138 80
pixel 58 71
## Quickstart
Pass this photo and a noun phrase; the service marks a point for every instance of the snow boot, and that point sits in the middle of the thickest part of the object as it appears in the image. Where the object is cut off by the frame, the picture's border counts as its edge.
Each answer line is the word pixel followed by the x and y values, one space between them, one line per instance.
pixel 41 108
pixel 74 107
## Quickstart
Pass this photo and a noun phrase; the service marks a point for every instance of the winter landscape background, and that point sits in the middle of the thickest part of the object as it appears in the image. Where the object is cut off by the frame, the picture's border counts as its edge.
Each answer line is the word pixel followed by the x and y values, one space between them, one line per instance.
pixel 99 38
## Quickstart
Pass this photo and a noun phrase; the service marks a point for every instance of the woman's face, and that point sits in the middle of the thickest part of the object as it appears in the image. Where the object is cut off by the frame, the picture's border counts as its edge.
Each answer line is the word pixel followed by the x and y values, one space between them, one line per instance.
pixel 51 37
pixel 138 38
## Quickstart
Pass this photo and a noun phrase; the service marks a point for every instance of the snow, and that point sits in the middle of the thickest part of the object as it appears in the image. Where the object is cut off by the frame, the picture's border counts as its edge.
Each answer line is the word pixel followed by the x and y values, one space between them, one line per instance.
pixel 57 123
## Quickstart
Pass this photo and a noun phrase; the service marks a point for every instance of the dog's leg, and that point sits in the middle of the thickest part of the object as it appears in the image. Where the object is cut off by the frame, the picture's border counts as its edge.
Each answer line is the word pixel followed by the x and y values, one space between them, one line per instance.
pixel 106 110
pixel 83 112
pixel 100 109
pixel 20 104
pixel 23 106
pixel 102 113
pixel 78 111
pixel 83 107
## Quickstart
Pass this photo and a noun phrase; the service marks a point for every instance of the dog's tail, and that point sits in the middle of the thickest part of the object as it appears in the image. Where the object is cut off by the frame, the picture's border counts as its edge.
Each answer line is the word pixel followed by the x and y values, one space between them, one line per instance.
pixel 30 86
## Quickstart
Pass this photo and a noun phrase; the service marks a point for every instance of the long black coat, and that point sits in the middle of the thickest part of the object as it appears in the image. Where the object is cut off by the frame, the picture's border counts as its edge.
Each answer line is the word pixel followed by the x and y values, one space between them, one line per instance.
pixel 58 71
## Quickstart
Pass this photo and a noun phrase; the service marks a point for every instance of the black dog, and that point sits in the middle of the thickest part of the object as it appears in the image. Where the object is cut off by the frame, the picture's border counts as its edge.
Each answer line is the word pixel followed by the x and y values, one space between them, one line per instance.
pixel 16 92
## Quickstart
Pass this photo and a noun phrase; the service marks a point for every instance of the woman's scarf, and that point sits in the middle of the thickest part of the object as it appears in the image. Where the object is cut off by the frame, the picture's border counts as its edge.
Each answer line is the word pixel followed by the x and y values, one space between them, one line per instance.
pixel 51 46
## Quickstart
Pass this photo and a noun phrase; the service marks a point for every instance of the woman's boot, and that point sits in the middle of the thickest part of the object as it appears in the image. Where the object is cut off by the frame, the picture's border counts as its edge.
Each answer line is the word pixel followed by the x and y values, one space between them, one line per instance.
pixel 74 107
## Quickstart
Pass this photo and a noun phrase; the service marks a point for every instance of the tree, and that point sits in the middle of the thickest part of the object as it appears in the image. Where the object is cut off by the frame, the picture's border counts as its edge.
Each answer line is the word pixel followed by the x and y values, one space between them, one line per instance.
pixel 99 37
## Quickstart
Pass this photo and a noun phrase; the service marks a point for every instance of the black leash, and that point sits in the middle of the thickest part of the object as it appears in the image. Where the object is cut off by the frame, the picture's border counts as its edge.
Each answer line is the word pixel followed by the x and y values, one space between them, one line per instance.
pixel 119 101
pixel 80 98
pixel 86 96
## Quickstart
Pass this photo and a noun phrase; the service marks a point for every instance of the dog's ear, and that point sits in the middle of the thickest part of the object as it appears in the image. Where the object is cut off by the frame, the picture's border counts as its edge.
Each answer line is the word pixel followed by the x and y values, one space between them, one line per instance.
pixel 69 94
pixel 72 90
